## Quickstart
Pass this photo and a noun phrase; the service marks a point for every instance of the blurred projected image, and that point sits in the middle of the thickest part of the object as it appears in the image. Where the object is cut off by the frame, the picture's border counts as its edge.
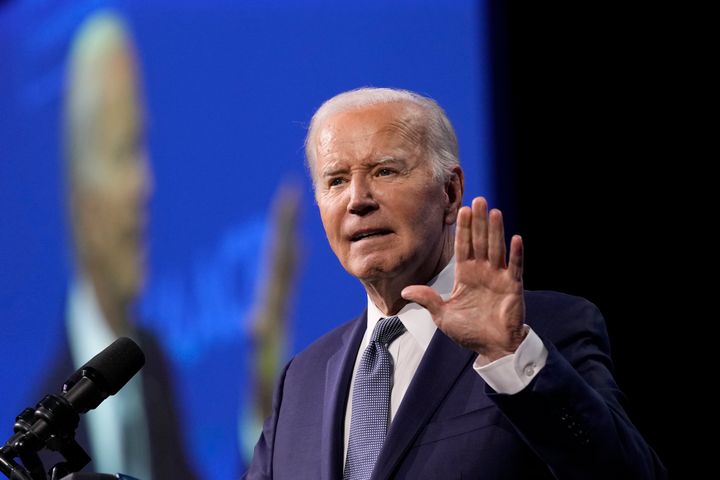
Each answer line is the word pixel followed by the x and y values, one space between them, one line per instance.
pixel 108 182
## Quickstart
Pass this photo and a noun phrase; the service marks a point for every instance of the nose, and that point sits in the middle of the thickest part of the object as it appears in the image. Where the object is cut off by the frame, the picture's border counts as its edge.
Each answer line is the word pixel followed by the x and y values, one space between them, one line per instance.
pixel 141 184
pixel 362 201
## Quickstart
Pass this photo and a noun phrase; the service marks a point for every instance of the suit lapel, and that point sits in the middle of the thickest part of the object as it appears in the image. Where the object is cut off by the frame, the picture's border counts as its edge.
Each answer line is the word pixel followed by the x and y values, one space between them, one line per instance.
pixel 441 365
pixel 338 374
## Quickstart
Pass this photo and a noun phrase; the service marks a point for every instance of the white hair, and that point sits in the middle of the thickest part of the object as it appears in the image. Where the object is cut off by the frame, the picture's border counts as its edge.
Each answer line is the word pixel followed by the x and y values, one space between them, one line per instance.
pixel 97 38
pixel 438 133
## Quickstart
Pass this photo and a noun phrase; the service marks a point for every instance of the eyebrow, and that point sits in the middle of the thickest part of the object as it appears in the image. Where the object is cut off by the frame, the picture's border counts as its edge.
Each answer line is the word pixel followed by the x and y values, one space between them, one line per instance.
pixel 331 170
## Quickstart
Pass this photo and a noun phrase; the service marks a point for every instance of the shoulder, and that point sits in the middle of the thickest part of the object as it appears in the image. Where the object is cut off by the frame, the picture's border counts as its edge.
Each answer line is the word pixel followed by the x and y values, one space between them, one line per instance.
pixel 157 374
pixel 151 345
pixel 330 342
pixel 542 301
pixel 556 315
pixel 335 337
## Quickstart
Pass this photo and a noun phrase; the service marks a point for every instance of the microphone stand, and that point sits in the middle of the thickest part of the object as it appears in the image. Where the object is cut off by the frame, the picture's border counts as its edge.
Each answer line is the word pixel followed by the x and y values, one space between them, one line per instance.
pixel 53 422
pixel 56 431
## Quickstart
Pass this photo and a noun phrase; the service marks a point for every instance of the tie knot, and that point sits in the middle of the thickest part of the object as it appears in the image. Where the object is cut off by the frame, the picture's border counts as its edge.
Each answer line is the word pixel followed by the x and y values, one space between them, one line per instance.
pixel 387 330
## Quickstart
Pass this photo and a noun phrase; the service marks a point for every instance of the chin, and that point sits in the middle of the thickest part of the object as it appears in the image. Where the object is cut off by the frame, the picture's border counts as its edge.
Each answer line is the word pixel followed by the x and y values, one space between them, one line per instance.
pixel 132 284
pixel 369 269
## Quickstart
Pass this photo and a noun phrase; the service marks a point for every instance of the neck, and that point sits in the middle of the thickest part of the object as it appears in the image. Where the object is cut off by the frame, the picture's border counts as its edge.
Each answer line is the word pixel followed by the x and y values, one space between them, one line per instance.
pixel 114 309
pixel 385 292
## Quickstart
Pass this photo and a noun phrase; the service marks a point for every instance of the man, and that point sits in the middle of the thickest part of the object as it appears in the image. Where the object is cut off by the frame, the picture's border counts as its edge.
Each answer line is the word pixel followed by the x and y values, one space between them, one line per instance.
pixel 479 378
pixel 108 184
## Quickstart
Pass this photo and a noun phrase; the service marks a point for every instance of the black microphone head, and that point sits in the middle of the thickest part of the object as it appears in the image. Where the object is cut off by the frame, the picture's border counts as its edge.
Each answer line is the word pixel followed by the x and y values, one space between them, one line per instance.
pixel 116 365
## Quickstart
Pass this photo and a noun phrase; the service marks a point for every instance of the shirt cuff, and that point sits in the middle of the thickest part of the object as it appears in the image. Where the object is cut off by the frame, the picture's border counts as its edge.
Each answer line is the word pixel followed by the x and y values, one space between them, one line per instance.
pixel 512 373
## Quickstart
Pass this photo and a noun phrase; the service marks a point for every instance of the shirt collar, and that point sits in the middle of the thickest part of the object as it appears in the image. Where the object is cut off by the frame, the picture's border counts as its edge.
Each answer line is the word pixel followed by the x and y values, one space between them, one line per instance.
pixel 88 332
pixel 416 319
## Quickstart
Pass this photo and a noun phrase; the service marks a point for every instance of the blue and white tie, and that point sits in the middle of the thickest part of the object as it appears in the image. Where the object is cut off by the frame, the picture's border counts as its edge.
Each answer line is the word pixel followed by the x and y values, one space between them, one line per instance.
pixel 371 401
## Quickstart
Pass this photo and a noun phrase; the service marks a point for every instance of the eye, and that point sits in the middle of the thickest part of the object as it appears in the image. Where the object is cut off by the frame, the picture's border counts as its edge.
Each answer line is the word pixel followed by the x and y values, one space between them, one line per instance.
pixel 334 182
pixel 384 172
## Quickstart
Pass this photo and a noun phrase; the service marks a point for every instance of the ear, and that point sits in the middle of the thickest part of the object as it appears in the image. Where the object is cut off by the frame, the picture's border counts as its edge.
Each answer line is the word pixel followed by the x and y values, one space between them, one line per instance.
pixel 454 187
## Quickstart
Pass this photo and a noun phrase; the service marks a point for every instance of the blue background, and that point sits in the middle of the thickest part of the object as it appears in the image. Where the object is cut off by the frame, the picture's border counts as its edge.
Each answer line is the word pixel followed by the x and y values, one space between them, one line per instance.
pixel 229 88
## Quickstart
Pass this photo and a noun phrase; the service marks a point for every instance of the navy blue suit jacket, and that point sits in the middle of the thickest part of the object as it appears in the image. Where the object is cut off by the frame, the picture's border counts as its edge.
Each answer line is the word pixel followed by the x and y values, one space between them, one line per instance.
pixel 569 423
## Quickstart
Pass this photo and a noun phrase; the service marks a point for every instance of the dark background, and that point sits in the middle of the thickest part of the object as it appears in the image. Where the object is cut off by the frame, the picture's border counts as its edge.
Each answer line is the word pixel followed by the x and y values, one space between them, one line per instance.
pixel 588 175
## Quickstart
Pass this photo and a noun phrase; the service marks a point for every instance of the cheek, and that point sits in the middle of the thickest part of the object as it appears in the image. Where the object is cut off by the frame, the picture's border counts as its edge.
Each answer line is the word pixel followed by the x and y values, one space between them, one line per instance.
pixel 110 222
pixel 94 223
pixel 424 222
pixel 331 223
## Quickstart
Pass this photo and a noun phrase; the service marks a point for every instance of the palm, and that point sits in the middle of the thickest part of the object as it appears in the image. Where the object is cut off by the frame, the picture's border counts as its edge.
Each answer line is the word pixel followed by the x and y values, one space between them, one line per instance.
pixel 485 311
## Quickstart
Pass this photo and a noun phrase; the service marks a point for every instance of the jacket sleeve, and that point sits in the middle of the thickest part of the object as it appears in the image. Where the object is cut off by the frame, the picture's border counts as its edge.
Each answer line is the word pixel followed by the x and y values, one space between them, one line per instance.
pixel 262 461
pixel 572 412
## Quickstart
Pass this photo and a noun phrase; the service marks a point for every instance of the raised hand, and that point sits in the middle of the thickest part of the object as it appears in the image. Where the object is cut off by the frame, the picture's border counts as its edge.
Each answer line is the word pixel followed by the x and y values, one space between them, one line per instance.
pixel 485 311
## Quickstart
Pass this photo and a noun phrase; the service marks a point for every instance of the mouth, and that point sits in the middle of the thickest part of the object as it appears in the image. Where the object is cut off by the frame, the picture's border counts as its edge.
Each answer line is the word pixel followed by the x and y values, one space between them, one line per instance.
pixel 364 234
pixel 135 235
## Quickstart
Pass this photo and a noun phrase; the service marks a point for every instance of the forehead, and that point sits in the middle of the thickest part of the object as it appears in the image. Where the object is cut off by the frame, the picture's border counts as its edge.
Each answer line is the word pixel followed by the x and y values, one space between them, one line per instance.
pixel 363 130
pixel 118 83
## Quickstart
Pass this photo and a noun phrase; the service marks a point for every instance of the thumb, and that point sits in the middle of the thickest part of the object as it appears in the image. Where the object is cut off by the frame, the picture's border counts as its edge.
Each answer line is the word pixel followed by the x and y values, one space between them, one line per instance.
pixel 424 296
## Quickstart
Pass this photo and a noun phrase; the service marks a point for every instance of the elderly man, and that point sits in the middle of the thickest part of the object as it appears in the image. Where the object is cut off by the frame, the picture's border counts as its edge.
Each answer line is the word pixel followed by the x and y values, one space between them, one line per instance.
pixel 453 371
pixel 135 432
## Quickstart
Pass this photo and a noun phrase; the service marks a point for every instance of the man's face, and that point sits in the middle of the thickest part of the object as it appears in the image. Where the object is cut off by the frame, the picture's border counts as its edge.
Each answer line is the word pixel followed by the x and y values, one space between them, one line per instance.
pixel 110 208
pixel 384 214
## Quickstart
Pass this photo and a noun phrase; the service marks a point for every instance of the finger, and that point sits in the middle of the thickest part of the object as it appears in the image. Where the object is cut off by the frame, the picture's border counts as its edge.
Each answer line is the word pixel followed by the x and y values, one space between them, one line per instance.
pixel 479 228
pixel 515 264
pixel 463 245
pixel 424 296
pixel 496 239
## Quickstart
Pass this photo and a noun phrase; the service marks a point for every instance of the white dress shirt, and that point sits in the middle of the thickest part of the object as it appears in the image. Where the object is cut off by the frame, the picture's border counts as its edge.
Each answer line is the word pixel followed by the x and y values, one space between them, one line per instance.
pixel 509 374
pixel 88 335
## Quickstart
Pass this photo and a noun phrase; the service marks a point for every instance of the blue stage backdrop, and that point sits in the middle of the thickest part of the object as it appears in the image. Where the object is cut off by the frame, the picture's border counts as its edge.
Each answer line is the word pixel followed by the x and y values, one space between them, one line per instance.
pixel 229 87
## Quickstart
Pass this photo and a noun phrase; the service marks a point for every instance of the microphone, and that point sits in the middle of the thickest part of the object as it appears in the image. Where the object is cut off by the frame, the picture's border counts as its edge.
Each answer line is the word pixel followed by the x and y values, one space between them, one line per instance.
pixel 56 417
pixel 103 375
